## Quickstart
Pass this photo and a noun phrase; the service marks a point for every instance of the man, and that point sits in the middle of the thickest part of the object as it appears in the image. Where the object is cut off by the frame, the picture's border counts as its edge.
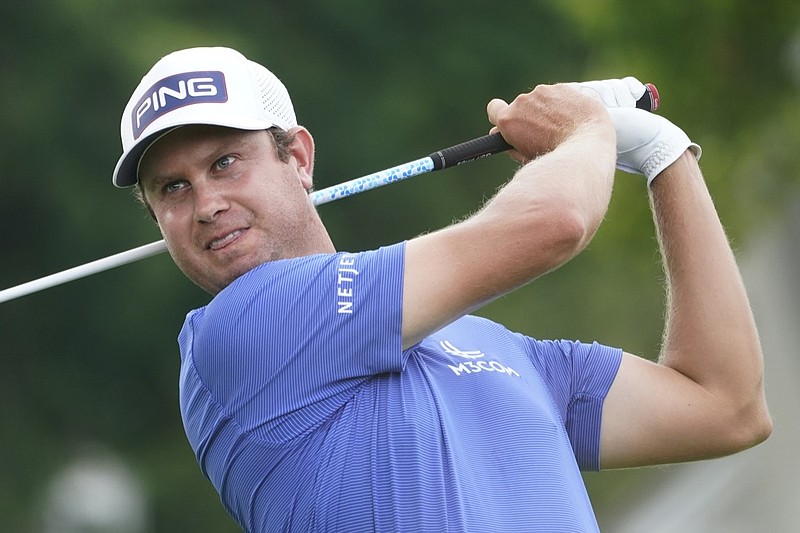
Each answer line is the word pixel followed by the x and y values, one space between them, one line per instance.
pixel 332 391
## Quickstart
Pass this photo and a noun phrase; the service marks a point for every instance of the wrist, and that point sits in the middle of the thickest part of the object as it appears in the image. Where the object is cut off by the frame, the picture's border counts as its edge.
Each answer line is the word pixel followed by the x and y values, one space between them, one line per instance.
pixel 684 166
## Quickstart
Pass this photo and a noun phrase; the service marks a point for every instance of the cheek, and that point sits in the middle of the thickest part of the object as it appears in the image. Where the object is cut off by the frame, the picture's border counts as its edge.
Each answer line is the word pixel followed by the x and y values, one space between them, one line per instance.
pixel 166 217
pixel 178 243
pixel 172 216
pixel 171 223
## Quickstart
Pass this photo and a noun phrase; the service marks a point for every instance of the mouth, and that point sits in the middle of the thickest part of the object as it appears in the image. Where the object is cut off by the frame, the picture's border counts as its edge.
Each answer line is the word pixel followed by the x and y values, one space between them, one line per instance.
pixel 225 240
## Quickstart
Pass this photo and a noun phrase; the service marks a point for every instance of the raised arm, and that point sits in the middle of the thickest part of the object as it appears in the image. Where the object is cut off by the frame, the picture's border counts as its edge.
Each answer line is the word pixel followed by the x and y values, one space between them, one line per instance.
pixel 705 396
pixel 544 216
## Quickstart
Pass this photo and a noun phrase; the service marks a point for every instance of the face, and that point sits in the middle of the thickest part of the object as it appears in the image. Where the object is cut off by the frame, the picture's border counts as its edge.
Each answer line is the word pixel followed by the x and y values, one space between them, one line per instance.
pixel 225 203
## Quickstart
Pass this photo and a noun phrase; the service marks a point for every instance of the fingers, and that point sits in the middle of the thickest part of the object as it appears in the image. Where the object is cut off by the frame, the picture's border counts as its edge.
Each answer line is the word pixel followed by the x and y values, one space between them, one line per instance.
pixel 614 92
pixel 494 108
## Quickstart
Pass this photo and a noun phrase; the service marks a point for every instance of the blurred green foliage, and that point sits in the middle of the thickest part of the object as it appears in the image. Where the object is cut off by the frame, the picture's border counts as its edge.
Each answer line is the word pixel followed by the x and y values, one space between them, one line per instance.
pixel 95 362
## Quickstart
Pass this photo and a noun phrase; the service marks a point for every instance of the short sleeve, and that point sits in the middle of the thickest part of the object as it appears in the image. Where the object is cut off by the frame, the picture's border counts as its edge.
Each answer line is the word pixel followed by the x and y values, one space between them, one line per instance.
pixel 578 376
pixel 287 344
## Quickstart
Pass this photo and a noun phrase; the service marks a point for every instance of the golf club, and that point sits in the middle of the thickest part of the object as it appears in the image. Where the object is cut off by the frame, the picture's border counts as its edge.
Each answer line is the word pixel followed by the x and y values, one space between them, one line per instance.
pixel 454 155
pixel 448 157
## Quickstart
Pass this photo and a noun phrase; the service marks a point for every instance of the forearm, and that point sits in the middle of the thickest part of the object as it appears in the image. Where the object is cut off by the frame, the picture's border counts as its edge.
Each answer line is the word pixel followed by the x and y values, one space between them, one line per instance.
pixel 569 144
pixel 563 194
pixel 710 334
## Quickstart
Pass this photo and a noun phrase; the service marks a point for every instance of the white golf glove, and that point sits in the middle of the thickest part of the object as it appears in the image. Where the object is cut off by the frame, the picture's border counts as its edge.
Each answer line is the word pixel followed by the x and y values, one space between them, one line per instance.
pixel 648 143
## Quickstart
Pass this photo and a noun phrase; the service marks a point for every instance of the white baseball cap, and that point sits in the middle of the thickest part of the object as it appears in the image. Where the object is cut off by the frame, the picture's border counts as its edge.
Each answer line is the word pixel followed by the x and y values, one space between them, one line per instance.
pixel 217 86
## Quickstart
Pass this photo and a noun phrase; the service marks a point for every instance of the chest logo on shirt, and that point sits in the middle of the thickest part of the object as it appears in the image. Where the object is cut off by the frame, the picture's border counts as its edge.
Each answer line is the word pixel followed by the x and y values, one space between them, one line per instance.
pixel 475 362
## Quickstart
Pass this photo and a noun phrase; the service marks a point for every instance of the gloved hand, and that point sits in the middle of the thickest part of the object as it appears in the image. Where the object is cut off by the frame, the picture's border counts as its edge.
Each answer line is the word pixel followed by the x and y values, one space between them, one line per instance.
pixel 613 93
pixel 648 143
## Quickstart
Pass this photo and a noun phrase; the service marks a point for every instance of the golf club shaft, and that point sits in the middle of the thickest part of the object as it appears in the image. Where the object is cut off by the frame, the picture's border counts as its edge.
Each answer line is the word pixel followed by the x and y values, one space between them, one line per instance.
pixel 83 271
pixel 454 155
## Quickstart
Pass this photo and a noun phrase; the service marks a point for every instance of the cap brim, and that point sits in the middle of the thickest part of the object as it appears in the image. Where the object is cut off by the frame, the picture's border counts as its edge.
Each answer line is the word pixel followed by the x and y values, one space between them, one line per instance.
pixel 127 169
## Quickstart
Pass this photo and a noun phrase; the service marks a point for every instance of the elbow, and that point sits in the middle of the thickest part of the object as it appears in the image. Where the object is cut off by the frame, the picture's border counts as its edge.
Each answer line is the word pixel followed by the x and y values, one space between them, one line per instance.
pixel 765 430
pixel 759 428
pixel 748 428
pixel 559 237
pixel 748 418
pixel 576 229
pixel 549 235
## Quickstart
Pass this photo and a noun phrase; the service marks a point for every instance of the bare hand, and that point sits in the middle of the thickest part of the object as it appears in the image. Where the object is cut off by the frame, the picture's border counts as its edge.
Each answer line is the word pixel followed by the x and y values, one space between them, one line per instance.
pixel 538 121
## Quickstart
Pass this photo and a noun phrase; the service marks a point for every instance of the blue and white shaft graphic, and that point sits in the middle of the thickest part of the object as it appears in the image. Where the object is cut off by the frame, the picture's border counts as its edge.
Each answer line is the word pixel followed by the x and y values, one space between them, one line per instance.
pixel 372 181
pixel 454 155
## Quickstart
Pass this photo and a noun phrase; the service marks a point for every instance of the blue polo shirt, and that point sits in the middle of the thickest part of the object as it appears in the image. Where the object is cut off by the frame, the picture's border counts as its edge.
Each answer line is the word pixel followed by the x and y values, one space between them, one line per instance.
pixel 306 414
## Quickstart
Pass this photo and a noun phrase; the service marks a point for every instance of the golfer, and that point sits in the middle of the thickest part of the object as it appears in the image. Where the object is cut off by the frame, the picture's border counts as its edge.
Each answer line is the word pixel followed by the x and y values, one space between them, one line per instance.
pixel 326 390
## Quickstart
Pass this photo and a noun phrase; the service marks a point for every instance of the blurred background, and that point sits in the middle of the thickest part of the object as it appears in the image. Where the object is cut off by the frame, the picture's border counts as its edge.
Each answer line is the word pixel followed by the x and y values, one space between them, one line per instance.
pixel 90 434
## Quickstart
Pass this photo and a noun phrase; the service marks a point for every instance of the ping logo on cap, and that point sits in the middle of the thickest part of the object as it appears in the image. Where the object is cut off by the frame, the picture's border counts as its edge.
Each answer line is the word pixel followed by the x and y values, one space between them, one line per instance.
pixel 174 92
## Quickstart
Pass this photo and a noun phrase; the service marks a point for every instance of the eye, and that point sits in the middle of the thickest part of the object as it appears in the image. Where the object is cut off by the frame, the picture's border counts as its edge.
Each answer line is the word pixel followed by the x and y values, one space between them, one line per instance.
pixel 174 186
pixel 224 162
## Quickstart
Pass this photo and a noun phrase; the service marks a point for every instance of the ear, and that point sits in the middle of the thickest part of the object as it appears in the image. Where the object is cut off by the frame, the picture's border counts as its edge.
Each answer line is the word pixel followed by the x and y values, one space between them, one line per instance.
pixel 302 151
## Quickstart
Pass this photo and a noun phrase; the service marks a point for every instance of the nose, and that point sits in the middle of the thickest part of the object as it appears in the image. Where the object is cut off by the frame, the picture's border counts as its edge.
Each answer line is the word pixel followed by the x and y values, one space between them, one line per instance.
pixel 209 201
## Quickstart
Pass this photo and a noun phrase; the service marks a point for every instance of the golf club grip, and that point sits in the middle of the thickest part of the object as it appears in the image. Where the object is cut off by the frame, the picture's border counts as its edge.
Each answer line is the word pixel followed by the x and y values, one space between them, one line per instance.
pixel 494 143
pixel 469 151
pixel 650 100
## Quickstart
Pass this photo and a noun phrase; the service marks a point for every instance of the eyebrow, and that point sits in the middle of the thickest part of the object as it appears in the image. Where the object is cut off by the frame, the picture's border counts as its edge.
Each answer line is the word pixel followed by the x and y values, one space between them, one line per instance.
pixel 238 142
pixel 155 183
